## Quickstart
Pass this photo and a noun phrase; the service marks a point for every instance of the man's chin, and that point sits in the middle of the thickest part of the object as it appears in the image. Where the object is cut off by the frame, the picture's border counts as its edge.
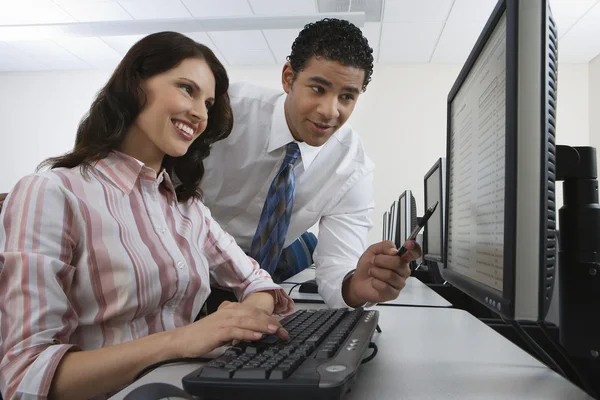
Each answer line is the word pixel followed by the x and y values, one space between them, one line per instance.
pixel 317 141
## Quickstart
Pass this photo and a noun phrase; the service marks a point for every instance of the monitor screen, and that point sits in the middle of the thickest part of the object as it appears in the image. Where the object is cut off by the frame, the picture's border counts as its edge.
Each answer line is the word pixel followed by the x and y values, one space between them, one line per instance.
pixel 500 214
pixel 432 234
pixel 476 170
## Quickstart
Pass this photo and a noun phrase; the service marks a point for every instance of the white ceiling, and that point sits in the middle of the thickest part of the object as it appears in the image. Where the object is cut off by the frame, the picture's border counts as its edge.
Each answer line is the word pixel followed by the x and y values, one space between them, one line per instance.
pixel 411 31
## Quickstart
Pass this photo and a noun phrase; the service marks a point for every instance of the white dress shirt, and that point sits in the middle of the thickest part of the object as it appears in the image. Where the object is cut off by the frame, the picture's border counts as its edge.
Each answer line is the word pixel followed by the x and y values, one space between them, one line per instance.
pixel 334 184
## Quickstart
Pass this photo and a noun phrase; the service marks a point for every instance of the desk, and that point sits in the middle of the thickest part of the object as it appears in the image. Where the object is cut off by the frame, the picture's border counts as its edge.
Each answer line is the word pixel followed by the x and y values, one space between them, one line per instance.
pixel 415 293
pixel 434 353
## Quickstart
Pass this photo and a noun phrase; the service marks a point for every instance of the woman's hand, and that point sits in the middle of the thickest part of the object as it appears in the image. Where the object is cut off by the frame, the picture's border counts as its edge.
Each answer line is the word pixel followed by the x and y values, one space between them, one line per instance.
pixel 232 321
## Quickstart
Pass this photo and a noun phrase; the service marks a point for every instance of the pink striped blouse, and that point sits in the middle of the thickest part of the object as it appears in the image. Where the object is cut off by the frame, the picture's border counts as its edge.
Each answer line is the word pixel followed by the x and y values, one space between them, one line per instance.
pixel 101 261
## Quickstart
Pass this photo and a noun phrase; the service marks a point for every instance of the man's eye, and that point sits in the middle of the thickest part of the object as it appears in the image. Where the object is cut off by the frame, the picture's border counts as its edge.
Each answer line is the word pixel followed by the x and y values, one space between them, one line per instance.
pixel 347 97
pixel 317 89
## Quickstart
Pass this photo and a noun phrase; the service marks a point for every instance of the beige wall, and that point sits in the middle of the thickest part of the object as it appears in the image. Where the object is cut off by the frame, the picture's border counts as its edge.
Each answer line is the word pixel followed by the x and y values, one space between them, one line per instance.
pixel 401 119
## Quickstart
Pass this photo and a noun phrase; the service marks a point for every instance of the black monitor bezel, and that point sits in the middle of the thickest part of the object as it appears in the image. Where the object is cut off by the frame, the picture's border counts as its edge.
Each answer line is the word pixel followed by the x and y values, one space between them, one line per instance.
pixel 502 302
pixel 436 168
pixel 401 218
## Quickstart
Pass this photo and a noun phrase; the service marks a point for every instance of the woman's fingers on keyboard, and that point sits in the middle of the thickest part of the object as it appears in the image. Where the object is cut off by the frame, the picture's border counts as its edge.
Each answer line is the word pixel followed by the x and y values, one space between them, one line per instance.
pixel 247 318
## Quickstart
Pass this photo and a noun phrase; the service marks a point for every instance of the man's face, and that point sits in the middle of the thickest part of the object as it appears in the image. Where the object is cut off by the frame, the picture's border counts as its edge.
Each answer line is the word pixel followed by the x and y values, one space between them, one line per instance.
pixel 320 98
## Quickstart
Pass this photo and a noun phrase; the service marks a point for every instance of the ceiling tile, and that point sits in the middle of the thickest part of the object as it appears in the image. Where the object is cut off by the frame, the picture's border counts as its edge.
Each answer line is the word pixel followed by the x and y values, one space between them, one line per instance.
pixel 202 38
pixel 456 42
pixel 283 7
pixel 372 31
pixel 93 51
pixel 21 12
pixel 122 44
pixel 582 42
pixel 53 55
pixel 155 9
pixel 471 11
pixel 12 59
pixel 213 8
pixel 280 41
pixel 416 11
pixel 94 10
pixel 408 42
pixel 243 47
pixel 567 12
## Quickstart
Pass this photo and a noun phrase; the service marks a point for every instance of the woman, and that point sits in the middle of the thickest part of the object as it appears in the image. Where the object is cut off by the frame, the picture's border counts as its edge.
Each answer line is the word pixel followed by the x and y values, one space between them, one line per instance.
pixel 105 262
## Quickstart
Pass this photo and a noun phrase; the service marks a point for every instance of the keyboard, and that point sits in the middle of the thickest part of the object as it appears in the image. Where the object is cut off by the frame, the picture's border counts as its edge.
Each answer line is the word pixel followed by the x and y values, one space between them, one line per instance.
pixel 318 361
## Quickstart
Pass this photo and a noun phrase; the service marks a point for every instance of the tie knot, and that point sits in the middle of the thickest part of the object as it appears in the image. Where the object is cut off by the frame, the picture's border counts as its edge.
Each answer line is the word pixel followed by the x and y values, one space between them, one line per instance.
pixel 292 151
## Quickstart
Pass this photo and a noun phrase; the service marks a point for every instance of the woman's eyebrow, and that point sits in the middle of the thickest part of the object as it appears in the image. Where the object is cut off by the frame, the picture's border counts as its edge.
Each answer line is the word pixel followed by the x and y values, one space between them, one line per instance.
pixel 194 84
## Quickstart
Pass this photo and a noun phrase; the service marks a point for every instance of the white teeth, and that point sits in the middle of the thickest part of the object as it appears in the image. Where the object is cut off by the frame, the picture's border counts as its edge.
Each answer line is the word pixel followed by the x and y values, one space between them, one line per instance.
pixel 184 128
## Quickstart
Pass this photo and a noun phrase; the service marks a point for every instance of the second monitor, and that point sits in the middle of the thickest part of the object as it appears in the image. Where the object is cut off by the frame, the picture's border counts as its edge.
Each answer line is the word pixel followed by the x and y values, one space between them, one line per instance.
pixel 407 219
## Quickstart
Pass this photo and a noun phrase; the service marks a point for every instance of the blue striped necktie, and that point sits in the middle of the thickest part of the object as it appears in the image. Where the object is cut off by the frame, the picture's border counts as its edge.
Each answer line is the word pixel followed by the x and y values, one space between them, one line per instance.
pixel 274 221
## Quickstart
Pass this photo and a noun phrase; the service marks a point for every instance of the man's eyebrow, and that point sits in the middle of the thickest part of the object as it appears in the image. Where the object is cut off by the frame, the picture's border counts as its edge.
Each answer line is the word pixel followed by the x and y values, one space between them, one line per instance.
pixel 326 83
pixel 322 81
pixel 351 89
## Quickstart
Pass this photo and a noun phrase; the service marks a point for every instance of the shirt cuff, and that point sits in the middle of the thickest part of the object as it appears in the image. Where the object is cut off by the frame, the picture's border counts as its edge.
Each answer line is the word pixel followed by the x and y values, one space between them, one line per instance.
pixel 348 276
pixel 35 381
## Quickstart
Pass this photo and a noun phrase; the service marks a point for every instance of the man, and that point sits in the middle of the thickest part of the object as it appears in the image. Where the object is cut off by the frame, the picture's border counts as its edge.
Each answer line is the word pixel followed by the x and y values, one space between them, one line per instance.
pixel 294 151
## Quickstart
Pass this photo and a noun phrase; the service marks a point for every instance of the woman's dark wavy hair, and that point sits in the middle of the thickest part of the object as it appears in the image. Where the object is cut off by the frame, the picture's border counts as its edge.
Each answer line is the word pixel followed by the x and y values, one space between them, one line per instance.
pixel 335 40
pixel 120 101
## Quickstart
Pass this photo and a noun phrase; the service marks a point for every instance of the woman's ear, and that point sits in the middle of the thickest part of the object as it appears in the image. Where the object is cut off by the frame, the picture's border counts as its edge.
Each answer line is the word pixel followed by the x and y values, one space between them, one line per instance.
pixel 287 77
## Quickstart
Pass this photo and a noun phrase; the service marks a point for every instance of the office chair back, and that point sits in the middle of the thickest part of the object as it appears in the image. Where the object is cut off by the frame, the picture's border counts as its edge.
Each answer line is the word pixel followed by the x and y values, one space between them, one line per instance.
pixel 296 257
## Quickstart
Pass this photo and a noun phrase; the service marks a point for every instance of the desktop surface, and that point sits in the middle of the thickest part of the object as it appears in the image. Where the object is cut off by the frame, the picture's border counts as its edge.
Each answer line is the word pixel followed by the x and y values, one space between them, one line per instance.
pixel 433 353
pixel 414 294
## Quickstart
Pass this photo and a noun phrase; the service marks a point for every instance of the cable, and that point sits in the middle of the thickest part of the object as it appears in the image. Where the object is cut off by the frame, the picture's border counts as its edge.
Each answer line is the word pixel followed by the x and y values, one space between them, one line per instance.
pixel 583 381
pixel 152 367
pixel 293 287
pixel 541 353
pixel 372 355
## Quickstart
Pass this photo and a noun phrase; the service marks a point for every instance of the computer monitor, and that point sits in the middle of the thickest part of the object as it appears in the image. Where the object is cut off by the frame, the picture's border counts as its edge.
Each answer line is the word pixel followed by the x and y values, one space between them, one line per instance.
pixel 393 216
pixel 386 223
pixel 407 216
pixel 435 191
pixel 500 211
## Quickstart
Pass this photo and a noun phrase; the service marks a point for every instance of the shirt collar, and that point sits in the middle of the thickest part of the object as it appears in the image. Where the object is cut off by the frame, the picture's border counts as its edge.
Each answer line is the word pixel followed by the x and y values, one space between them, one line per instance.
pixel 280 135
pixel 123 171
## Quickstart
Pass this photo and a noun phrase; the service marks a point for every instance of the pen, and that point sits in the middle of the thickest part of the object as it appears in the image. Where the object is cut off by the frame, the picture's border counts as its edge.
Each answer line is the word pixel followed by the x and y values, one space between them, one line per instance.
pixel 418 228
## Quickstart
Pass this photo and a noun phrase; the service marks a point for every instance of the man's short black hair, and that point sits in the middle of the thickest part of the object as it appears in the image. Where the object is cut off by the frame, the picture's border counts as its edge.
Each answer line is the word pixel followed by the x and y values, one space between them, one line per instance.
pixel 334 40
